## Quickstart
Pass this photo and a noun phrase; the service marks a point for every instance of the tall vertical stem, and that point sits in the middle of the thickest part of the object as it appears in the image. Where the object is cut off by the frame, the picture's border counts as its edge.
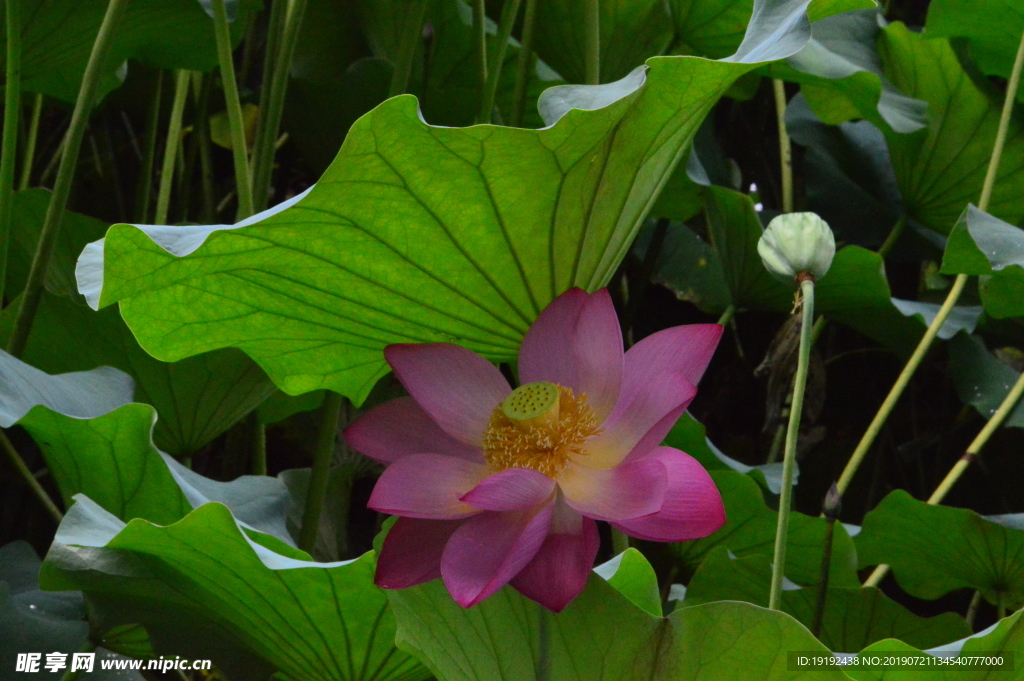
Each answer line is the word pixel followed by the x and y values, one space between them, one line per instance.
pixel 144 190
pixel 28 160
pixel 480 44
pixel 592 41
pixel 163 197
pixel 954 292
pixel 330 413
pixel 65 175
pixel 239 145
pixel 411 33
pixel 792 432
pixel 508 17
pixel 12 118
pixel 785 148
pixel 266 140
pixel 524 66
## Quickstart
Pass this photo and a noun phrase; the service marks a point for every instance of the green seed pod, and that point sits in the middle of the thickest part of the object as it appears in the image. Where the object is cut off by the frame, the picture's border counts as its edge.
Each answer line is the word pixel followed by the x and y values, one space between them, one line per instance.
pixel 795 243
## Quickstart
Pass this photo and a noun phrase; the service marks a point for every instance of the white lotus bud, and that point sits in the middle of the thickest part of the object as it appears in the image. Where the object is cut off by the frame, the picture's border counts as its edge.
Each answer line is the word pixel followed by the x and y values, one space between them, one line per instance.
pixel 795 243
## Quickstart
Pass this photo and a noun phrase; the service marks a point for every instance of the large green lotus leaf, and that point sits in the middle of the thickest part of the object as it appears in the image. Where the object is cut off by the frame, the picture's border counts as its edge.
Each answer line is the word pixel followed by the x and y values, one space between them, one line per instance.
pixel 936 549
pixel 941 169
pixel 992 27
pixel 855 616
pixel 690 436
pixel 981 380
pixel 631 31
pixel 57 38
pixel 601 636
pixel 983 244
pixel 198 398
pixel 203 588
pixel 1007 636
pixel 28 209
pixel 750 529
pixel 714 28
pixel 418 233
pixel 32 620
pixel 854 292
pixel 840 75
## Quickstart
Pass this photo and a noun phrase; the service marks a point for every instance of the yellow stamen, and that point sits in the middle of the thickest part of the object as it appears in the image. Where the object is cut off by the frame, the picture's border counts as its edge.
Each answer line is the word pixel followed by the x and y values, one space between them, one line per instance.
pixel 539 426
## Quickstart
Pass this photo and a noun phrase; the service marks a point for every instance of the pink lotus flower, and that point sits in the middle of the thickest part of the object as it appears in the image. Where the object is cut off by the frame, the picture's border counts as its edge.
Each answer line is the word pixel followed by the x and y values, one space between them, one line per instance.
pixel 496 486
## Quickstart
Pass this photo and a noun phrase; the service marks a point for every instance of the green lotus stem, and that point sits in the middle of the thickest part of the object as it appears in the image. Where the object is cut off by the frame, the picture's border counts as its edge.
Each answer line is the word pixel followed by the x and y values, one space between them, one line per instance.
pixel 620 541
pixel 144 189
pixel 727 315
pixel 592 41
pixel 330 413
pixel 257 444
pixel 785 148
pixel 480 43
pixel 524 65
pixel 239 145
pixel 1004 124
pixel 163 197
pixel 830 509
pixel 792 432
pixel 901 383
pixel 411 33
pixel 202 133
pixel 65 175
pixel 275 26
pixel 266 141
pixel 972 609
pixel 954 292
pixel 12 117
pixel 508 17
pixel 1000 604
pixel 72 675
pixel 30 145
pixel 26 474
pixel 894 236
pixel 970 454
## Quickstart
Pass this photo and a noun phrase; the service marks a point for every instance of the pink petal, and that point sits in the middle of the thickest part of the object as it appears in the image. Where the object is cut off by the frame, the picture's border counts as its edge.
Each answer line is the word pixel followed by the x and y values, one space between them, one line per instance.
pixel 686 350
pixel 427 486
pixel 693 507
pixel 559 571
pixel 490 549
pixel 628 429
pixel 457 388
pixel 576 342
pixel 399 428
pixel 412 552
pixel 513 489
pixel 630 490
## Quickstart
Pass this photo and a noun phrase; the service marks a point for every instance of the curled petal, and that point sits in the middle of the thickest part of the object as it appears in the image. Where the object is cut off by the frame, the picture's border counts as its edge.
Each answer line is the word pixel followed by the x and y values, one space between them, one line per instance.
pixel 693 506
pixel 456 387
pixel 489 549
pixel 412 551
pixel 576 342
pixel 629 490
pixel 399 428
pixel 427 486
pixel 559 571
pixel 513 489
